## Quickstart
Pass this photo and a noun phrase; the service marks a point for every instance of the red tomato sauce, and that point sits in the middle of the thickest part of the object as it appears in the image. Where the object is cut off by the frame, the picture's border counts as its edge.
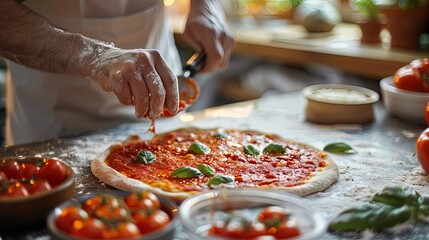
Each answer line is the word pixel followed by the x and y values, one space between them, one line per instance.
pixel 227 157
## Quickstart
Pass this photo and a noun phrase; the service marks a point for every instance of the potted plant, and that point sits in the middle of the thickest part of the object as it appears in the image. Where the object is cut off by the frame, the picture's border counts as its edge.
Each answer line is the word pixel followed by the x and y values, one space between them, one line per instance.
pixel 369 20
pixel 406 20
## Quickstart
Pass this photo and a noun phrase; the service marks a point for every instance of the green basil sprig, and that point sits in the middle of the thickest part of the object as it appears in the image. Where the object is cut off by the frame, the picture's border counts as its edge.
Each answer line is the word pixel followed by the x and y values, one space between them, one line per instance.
pixel 219 179
pixel 394 205
pixel 186 172
pixel 199 148
pixel 251 150
pixel 339 147
pixel 220 135
pixel 274 148
pixel 145 157
pixel 206 169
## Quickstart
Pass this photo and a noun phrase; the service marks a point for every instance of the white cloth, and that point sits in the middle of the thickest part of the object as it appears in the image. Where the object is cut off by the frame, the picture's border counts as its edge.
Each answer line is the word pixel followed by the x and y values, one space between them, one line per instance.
pixel 43 105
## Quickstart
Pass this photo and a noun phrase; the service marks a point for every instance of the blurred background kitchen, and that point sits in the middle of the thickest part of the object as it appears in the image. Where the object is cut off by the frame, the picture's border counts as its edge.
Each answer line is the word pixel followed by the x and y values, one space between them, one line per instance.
pixel 285 45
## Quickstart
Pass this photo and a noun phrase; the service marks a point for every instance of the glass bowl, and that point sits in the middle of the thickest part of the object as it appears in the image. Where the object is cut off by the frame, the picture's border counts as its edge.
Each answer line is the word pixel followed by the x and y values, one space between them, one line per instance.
pixel 198 213
pixel 167 205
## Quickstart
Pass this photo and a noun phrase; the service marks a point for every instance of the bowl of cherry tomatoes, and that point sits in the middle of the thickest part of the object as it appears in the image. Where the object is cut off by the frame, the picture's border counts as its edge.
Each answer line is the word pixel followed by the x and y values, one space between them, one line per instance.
pixel 114 215
pixel 250 214
pixel 406 93
pixel 30 187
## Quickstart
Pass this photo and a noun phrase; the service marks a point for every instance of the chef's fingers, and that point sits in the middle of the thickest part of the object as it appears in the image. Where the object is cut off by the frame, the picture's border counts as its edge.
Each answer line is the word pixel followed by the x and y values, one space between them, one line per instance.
pixel 121 87
pixel 169 80
pixel 138 89
pixel 153 82
pixel 227 44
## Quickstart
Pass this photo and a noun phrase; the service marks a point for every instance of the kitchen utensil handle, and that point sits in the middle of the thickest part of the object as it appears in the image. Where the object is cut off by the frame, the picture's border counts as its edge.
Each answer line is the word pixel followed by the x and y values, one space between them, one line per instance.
pixel 195 63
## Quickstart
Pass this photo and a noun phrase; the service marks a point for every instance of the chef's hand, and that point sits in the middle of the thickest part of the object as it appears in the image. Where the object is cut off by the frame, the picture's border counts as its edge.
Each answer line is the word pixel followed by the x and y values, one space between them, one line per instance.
pixel 140 77
pixel 206 30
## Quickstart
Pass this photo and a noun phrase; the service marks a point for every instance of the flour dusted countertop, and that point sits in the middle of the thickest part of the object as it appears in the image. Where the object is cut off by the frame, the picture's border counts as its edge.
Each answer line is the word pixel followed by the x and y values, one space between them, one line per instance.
pixel 385 154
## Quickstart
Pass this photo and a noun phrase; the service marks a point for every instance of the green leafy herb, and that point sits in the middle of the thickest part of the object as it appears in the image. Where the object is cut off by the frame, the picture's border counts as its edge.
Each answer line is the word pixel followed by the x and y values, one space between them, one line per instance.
pixel 274 148
pixel 220 135
pixel 370 217
pixel 145 157
pixel 219 179
pixel 394 205
pixel 339 147
pixel 206 169
pixel 186 172
pixel 199 148
pixel 251 150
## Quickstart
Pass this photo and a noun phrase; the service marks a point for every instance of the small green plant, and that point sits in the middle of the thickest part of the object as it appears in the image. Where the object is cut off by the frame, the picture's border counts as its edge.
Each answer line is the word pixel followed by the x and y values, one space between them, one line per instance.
pixel 404 4
pixel 367 7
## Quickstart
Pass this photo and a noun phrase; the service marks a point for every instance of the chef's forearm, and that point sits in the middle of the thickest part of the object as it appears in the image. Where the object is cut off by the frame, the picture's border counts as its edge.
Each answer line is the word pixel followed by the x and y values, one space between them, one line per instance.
pixel 30 40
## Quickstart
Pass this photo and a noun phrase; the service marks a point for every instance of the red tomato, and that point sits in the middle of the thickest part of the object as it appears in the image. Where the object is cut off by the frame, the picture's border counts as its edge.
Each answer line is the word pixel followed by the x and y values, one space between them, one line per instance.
pixel 149 220
pixel 89 228
pixel 408 79
pixel 28 171
pixel 11 169
pixel 284 230
pixel 38 186
pixel 239 229
pixel 422 149
pixel 15 189
pixel 125 230
pixel 427 114
pixel 142 200
pixel 97 201
pixel 54 171
pixel 68 216
pixel 273 216
pixel 112 214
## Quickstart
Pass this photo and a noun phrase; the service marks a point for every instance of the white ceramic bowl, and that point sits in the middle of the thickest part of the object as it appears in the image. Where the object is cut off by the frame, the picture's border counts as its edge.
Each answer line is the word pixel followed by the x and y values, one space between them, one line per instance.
pixel 403 104
pixel 339 103
pixel 198 213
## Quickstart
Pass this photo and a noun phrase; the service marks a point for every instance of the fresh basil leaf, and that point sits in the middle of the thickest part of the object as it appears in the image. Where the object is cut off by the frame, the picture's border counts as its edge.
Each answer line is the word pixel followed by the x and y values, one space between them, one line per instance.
pixel 145 157
pixel 251 150
pixel 398 196
pixel 370 217
pixel 220 135
pixel 274 148
pixel 206 169
pixel 339 147
pixel 199 148
pixel 219 179
pixel 186 172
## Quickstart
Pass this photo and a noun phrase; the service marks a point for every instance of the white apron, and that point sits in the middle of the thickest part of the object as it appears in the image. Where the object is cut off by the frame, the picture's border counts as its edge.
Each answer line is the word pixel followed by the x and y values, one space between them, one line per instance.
pixel 44 105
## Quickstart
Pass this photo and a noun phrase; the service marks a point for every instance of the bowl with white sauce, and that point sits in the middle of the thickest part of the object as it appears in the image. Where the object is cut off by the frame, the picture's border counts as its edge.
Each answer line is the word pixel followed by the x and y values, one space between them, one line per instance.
pixel 339 104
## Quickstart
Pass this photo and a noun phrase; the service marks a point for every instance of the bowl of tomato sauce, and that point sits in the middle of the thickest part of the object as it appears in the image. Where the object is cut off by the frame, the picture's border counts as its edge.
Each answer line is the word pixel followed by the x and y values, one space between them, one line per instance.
pixel 30 187
pixel 250 214
pixel 406 105
pixel 114 215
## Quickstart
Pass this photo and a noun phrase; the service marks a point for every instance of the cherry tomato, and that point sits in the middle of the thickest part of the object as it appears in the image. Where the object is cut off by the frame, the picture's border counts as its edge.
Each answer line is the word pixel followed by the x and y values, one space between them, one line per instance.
pixel 142 200
pixel 241 229
pixel 273 216
pixel 68 216
pixel 422 149
pixel 112 214
pixel 89 228
pixel 15 189
pixel 54 171
pixel 11 169
pixel 125 230
pixel 149 220
pixel 28 171
pixel 38 186
pixel 407 78
pixel 97 201
pixel 427 114
pixel 284 230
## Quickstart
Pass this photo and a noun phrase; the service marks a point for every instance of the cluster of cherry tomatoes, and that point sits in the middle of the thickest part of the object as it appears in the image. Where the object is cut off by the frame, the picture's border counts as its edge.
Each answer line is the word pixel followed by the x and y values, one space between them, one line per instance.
pixel 413 76
pixel 21 179
pixel 272 223
pixel 106 216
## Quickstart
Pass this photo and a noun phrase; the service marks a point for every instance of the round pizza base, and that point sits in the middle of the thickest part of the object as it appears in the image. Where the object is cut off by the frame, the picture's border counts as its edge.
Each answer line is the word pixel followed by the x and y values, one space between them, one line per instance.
pixel 318 181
